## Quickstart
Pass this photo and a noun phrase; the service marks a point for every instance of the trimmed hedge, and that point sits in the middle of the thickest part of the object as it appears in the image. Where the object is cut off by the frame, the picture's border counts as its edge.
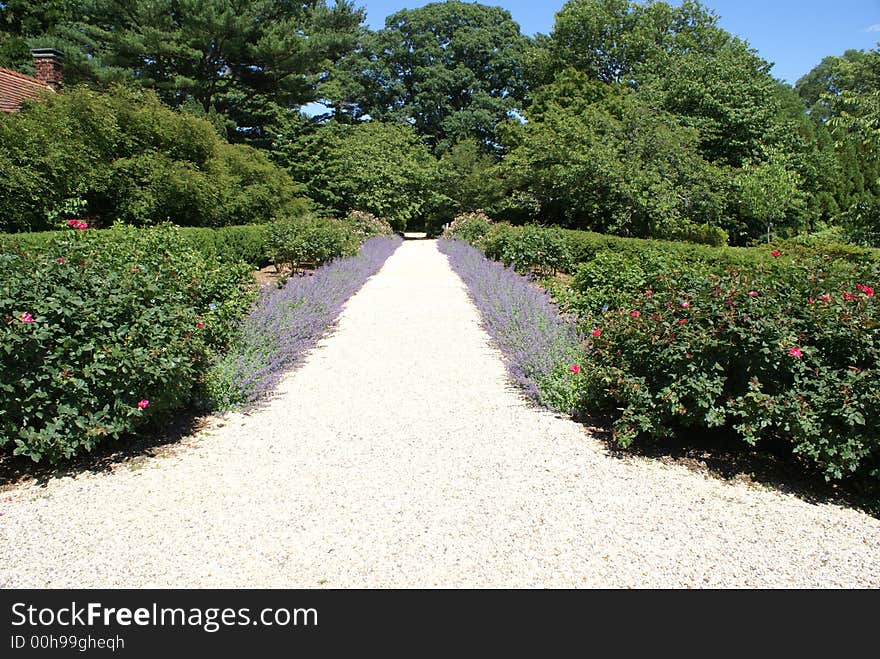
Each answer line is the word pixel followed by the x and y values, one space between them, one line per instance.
pixel 245 243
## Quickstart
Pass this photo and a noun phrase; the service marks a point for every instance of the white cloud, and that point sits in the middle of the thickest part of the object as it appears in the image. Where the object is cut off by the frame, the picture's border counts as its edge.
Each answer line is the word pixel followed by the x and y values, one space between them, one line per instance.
pixel 873 28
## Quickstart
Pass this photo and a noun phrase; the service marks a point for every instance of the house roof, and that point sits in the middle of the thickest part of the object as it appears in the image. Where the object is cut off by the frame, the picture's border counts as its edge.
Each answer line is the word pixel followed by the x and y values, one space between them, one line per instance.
pixel 15 88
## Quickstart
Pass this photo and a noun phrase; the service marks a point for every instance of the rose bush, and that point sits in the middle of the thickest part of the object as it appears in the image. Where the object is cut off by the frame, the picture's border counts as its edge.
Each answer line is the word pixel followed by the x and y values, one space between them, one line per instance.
pixel 105 331
pixel 789 350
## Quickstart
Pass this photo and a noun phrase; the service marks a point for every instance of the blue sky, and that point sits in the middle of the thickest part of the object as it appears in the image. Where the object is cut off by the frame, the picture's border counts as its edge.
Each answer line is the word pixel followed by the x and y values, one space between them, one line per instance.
pixel 793 34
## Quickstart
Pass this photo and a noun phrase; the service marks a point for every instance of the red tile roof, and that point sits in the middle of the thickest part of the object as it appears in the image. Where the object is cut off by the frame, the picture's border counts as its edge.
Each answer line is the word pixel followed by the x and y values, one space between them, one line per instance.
pixel 15 88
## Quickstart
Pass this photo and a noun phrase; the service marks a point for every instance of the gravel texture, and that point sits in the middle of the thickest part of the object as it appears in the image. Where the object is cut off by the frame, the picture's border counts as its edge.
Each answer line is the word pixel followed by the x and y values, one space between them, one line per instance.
pixel 399 455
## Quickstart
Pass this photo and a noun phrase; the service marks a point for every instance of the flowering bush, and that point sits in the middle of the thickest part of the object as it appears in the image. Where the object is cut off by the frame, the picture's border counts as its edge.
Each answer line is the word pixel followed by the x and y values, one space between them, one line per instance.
pixel 284 324
pixel 538 344
pixel 788 350
pixel 104 331
pixel 470 227
pixel 366 225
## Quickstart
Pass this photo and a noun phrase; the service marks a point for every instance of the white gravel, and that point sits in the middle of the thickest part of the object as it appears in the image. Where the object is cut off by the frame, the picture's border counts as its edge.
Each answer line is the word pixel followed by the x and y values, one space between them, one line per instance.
pixel 398 455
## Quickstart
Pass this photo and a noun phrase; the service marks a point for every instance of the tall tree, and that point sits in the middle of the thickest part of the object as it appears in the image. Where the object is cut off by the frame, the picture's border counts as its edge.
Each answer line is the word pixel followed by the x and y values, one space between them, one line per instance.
pixel 618 41
pixel 382 168
pixel 452 69
pixel 595 156
pixel 22 21
pixel 677 58
pixel 246 59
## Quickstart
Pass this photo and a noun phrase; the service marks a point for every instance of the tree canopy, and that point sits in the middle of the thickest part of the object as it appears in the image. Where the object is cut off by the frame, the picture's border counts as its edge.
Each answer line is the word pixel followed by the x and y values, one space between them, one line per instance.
pixel 638 118
pixel 454 70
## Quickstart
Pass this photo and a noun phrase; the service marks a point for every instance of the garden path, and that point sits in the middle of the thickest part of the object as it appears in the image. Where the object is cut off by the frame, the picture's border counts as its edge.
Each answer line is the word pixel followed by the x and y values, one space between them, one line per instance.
pixel 399 455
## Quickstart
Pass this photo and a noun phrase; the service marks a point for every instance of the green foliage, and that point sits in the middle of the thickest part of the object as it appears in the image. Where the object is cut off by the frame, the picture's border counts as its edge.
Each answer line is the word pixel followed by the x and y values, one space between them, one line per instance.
pixel 366 225
pixel 542 250
pixel 244 60
pixel 237 244
pixel 786 350
pixel 678 58
pixel 861 222
pixel 452 69
pixel 96 322
pixel 703 234
pixel 607 269
pixel 383 169
pixel 843 93
pixel 768 193
pixel 295 243
pixel 228 245
pixel 468 180
pixel 596 157
pixel 125 156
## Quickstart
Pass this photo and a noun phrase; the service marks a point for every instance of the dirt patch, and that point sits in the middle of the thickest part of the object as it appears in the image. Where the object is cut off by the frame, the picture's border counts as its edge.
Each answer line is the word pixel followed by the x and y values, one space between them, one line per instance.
pixel 275 276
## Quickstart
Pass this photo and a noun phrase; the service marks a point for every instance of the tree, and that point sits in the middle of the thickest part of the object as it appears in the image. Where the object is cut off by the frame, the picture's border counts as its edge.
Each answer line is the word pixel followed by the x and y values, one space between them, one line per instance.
pixel 123 155
pixel 678 59
pixel 617 41
pixel 844 97
pixel 25 22
pixel 768 193
pixel 595 156
pixel 380 168
pixel 832 76
pixel 246 59
pixel 452 69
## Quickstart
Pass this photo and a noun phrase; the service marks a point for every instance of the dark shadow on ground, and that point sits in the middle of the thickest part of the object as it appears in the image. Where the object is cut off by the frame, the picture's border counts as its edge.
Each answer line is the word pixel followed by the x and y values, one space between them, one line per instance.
pixel 131 450
pixel 721 454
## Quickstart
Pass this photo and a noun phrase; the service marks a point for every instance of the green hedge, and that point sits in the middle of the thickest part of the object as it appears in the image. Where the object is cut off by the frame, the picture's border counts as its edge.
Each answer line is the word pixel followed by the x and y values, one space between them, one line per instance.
pixel 310 241
pixel 95 322
pixel 607 269
pixel 246 243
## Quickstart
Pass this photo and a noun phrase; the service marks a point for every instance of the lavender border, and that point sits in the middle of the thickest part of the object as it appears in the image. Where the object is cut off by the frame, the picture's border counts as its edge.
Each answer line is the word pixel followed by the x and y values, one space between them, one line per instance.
pixel 534 337
pixel 285 324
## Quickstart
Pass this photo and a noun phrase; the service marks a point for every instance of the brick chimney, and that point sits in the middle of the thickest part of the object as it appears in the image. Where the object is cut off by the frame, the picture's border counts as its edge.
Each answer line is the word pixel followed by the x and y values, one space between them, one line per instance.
pixel 48 64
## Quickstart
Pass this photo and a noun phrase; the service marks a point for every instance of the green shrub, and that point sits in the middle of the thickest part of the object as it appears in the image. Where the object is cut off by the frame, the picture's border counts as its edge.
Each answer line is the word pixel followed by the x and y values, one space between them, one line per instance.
pixel 364 226
pixel 309 241
pixel 543 250
pixel 98 321
pixel 123 155
pixel 470 227
pixel 787 349
pixel 247 243
pixel 703 234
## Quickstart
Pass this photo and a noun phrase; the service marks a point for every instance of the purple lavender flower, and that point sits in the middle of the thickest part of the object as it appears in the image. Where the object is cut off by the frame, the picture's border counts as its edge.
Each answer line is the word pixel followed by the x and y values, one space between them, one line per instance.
pixel 533 336
pixel 284 324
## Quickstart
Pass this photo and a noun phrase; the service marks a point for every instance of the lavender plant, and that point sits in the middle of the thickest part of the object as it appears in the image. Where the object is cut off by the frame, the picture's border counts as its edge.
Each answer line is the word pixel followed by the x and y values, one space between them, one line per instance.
pixel 284 324
pixel 542 348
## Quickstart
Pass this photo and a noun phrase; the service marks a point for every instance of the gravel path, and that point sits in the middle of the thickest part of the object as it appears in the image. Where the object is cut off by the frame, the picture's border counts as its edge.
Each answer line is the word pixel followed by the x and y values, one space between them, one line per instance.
pixel 398 455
